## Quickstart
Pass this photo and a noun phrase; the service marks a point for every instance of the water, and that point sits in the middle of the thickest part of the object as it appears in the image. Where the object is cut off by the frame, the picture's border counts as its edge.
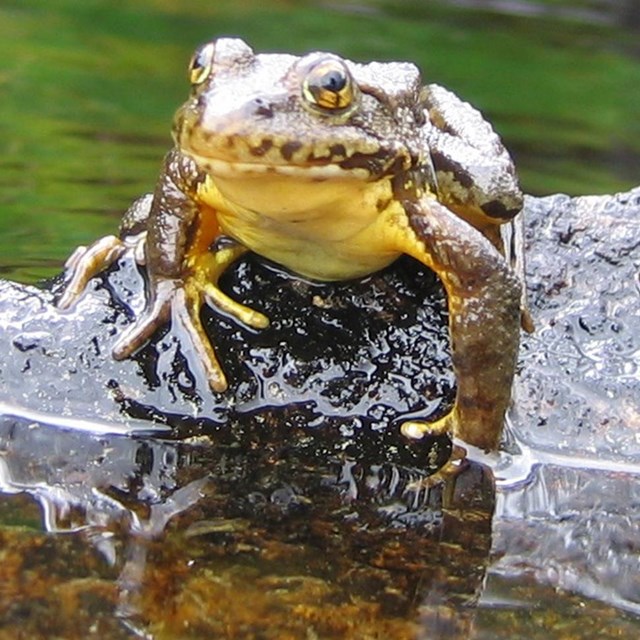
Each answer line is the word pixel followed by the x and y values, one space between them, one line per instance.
pixel 121 537
pixel 89 90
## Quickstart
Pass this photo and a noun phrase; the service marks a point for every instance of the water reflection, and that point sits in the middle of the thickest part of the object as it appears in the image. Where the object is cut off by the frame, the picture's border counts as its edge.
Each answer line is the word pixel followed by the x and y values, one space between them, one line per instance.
pixel 573 529
pixel 189 533
pixel 162 536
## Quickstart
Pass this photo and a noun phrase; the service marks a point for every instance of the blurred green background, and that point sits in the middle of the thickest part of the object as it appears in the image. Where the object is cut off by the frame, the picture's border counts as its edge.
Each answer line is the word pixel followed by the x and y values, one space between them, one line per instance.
pixel 88 90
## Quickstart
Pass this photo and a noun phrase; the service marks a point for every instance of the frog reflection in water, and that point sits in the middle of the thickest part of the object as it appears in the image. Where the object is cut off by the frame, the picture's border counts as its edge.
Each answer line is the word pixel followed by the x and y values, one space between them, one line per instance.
pixel 332 169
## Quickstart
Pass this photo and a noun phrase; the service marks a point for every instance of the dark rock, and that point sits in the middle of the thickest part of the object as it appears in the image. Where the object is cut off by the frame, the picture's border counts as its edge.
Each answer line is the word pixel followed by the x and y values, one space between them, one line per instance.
pixel 339 368
pixel 343 364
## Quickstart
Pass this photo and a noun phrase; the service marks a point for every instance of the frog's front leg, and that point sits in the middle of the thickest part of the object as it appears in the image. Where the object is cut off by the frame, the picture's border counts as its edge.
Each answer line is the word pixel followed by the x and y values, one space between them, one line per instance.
pixel 484 318
pixel 183 273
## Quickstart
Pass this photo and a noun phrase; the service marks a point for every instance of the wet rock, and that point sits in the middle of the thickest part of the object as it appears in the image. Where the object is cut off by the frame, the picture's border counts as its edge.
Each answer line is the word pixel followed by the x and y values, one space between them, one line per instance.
pixel 343 364
pixel 339 368
pixel 566 524
pixel 578 389
pixel 244 495
pixel 574 530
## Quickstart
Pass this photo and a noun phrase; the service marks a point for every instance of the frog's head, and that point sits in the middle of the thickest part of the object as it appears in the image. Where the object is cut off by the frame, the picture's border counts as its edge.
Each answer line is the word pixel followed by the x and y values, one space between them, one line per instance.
pixel 289 122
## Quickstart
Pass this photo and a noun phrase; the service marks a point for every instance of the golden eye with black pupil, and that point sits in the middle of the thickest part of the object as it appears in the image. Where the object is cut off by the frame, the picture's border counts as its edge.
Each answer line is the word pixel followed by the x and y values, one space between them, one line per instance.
pixel 201 64
pixel 329 85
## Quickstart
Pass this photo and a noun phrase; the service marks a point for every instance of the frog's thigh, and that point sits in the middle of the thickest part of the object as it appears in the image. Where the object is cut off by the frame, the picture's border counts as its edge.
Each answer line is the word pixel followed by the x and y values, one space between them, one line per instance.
pixel 475 173
pixel 461 120
pixel 484 319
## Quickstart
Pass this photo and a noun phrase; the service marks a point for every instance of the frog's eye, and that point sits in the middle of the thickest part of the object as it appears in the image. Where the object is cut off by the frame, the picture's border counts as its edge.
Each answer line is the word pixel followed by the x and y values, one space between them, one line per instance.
pixel 201 64
pixel 328 84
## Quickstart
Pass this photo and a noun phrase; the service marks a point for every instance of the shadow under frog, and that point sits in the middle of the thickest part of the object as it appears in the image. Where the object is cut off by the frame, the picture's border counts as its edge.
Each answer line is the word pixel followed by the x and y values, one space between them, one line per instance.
pixel 190 533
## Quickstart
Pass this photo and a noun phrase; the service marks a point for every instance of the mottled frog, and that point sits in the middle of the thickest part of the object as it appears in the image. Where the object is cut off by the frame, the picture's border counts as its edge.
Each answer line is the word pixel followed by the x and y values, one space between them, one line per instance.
pixel 332 169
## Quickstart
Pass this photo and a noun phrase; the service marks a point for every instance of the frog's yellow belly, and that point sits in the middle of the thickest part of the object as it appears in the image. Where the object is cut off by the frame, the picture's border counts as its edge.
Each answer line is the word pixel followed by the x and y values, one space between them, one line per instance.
pixel 320 230
pixel 316 259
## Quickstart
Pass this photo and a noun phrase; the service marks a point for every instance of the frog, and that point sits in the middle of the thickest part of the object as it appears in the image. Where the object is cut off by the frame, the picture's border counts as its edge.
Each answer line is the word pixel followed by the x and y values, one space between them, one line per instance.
pixel 332 169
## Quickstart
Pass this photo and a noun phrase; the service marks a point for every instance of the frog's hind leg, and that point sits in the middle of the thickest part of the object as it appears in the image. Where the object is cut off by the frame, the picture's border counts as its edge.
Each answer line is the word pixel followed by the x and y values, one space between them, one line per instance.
pixel 476 177
pixel 475 174
pixel 87 262
pixel 84 264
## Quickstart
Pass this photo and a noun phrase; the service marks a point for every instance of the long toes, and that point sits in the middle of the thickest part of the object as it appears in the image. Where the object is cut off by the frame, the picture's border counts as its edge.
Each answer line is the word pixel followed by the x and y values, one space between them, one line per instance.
pixel 222 302
pixel 85 263
pixel 199 351
pixel 142 330
pixel 135 338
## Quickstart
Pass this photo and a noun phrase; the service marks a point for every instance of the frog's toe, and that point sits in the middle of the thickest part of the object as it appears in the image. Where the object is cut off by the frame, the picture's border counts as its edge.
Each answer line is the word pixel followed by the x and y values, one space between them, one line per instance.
pixel 474 428
pixel 85 263
pixel 145 326
pixel 181 304
pixel 139 333
pixel 207 269
pixel 186 315
pixel 246 315
pixel 418 429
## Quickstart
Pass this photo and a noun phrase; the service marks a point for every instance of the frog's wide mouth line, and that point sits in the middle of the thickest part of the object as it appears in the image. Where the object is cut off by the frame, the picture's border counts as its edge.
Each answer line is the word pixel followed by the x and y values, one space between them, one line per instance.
pixel 316 172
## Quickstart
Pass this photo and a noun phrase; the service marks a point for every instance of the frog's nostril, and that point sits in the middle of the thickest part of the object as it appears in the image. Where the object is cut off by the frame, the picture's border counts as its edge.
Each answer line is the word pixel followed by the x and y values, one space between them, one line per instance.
pixel 262 108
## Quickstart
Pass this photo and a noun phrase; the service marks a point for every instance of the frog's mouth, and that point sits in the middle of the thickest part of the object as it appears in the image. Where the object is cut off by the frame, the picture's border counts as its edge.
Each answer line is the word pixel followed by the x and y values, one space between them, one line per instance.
pixel 226 154
pixel 292 193
pixel 318 170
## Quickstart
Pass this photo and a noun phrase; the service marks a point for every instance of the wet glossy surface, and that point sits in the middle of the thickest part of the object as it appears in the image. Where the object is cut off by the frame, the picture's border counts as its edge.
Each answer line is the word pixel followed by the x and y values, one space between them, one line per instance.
pixel 284 500
pixel 345 362
pixel 196 540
